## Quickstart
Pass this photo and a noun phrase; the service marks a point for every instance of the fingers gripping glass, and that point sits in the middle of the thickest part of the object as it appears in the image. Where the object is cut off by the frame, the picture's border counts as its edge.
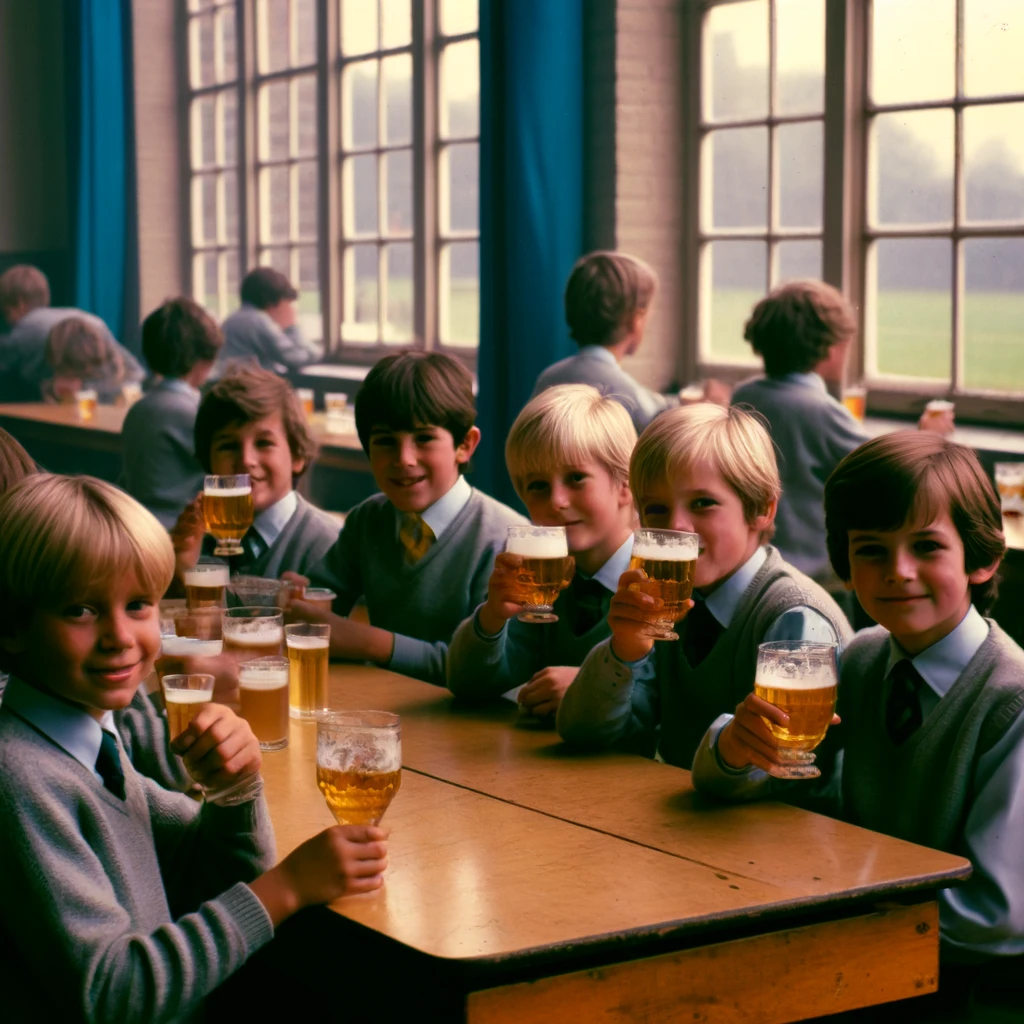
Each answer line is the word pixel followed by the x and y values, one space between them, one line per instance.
pixel 668 558
pixel 547 569
pixel 228 511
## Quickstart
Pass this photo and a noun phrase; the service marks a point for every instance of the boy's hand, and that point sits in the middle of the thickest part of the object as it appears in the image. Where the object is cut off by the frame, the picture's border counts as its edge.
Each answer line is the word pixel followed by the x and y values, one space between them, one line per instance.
pixel 311 611
pixel 504 593
pixel 544 692
pixel 292 583
pixel 630 615
pixel 218 748
pixel 187 535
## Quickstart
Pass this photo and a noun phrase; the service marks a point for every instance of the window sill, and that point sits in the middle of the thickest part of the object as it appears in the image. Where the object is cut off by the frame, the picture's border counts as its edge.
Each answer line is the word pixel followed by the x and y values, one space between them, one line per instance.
pixel 994 441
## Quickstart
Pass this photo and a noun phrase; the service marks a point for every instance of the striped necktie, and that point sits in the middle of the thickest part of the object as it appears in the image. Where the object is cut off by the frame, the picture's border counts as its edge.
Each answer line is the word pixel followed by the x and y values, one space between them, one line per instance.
pixel 416 537
pixel 903 715
pixel 108 765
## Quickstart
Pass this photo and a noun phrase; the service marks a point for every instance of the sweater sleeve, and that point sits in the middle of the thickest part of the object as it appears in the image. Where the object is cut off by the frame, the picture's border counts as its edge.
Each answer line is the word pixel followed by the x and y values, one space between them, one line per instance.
pixel 341 568
pixel 482 666
pixel 143 731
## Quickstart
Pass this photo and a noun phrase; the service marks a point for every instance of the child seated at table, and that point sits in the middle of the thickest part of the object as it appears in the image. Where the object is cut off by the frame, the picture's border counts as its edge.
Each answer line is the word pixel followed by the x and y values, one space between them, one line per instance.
pixel 931 698
pixel 568 456
pixel 81 357
pixel 711 471
pixel 420 552
pixel 122 901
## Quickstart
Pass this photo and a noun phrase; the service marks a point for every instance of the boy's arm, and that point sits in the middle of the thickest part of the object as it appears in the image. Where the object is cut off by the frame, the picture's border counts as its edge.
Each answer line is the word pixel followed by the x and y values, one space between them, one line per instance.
pixel 290 347
pixel 340 569
pixel 483 665
pixel 711 775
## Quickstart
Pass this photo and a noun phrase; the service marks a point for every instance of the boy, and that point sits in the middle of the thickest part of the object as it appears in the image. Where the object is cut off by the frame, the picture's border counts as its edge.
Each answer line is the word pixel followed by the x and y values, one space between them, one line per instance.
pixel 421 551
pixel 568 456
pixel 180 341
pixel 251 422
pixel 122 901
pixel 931 697
pixel 81 356
pixel 710 471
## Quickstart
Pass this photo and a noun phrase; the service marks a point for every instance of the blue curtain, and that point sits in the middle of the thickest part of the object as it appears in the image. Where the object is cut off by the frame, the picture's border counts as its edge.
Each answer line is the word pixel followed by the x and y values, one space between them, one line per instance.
pixel 531 206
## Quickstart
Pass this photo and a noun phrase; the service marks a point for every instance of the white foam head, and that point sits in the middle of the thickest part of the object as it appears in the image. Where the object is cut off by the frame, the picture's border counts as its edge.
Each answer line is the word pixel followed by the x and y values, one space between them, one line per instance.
pixel 685 549
pixel 268 636
pixel 538 545
pixel 207 576
pixel 179 646
pixel 177 696
pixel 821 679
pixel 262 678
pixel 227 492
pixel 308 643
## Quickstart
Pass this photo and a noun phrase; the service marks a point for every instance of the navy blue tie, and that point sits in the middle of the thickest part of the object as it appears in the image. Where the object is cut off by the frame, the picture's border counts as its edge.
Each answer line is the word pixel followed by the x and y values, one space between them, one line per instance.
pixel 903 716
pixel 701 632
pixel 108 765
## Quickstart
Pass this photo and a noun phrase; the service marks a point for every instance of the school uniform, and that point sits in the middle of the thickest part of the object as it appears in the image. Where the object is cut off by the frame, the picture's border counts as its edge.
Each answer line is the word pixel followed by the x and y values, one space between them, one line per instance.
pixel 251 335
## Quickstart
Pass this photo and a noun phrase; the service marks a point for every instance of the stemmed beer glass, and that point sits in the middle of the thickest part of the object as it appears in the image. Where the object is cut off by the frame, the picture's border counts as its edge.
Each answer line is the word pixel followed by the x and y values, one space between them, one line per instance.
pixel 228 510
pixel 547 568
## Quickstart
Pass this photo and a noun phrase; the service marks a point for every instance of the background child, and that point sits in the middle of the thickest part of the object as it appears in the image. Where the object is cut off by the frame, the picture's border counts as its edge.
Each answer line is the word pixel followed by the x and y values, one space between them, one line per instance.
pixel 180 341
pixel 420 552
pixel 568 455
pixel 128 902
pixel 81 356
pixel 709 471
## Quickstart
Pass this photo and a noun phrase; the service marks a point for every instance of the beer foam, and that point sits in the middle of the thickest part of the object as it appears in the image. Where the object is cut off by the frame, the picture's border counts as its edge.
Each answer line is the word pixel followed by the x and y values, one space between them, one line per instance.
pixel 266 637
pixel 263 678
pixel 814 681
pixel 179 646
pixel 176 696
pixel 543 546
pixel 227 492
pixel 201 576
pixel 308 643
pixel 685 551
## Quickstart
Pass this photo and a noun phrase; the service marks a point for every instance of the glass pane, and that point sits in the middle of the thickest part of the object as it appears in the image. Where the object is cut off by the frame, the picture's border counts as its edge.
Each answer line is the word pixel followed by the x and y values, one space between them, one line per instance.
pixel 913 315
pixel 275 196
pixel 399 311
pixel 739 272
pixel 739 178
pixel 993 44
pixel 273 43
pixel 993 313
pixel 460 90
pixel 359 187
pixel 460 294
pixel 305 108
pixel 229 267
pixel 994 162
pixel 396 23
pixel 799 56
pixel 202 50
pixel 397 73
pixel 458 16
pixel 308 285
pixel 279 259
pixel 359 104
pixel 229 183
pixel 913 50
pixel 308 198
pixel 736 49
pixel 205 281
pixel 360 291
pixel 227 32
pixel 204 132
pixel 796 261
pixel 358 26
pixel 274 126
pixel 229 126
pixel 398 175
pixel 460 188
pixel 305 31
pixel 801 174
pixel 204 210
pixel 911 168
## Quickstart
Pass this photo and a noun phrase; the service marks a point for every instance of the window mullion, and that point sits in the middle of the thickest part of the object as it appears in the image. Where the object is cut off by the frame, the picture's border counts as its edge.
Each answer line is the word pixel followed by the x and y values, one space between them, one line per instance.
pixel 956 374
pixel 328 79
pixel 249 222
pixel 426 249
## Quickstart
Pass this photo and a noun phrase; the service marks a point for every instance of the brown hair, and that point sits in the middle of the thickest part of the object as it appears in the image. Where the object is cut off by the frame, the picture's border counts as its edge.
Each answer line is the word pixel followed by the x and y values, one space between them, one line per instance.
pixel 76 347
pixel 15 462
pixel 793 327
pixel 23 283
pixel 604 291
pixel 265 287
pixel 246 394
pixel 915 474
pixel 179 334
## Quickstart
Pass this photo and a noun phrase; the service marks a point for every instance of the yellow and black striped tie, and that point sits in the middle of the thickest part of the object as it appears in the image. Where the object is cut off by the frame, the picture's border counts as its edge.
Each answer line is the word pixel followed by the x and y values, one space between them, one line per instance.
pixel 416 537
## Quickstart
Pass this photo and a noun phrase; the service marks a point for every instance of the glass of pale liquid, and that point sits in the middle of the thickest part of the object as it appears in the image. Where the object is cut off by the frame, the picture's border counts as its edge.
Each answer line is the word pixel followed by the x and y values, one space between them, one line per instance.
pixel 1010 484
pixel 253 632
pixel 87 401
pixel 547 569
pixel 206 586
pixel 309 650
pixel 855 399
pixel 256 591
pixel 228 511
pixel 358 763
pixel 184 698
pixel 263 689
pixel 668 558
pixel 306 399
pixel 801 679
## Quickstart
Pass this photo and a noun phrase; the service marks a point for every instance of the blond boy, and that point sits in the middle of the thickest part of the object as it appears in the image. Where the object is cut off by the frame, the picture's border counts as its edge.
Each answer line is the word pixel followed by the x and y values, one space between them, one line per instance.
pixel 709 471
pixel 568 455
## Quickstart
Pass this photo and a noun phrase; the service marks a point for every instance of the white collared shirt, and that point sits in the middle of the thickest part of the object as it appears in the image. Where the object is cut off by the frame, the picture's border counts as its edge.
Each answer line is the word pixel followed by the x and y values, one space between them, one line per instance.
pixel 440 516
pixel 271 521
pixel 609 573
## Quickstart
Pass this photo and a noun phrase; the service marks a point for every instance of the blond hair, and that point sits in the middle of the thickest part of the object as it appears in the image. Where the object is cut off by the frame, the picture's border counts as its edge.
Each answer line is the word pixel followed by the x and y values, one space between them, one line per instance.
pixel 63 534
pixel 732 441
pixel 568 425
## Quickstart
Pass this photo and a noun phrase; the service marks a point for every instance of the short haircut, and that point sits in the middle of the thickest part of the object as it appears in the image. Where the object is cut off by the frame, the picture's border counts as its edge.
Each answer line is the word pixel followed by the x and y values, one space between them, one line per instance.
pixel 793 327
pixel 179 334
pixel 15 462
pixel 265 287
pixel 416 389
pixel 731 440
pixel 567 425
pixel 913 476
pixel 604 291
pixel 64 534
pixel 76 347
pixel 246 394
pixel 23 283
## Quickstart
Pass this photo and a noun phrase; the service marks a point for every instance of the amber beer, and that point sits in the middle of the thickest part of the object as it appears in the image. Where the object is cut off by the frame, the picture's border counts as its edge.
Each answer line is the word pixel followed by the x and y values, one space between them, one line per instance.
pixel 547 568
pixel 358 798
pixel 87 402
pixel 263 689
pixel 668 558
pixel 228 511
pixel 308 654
pixel 184 698
pixel 206 586
pixel 856 401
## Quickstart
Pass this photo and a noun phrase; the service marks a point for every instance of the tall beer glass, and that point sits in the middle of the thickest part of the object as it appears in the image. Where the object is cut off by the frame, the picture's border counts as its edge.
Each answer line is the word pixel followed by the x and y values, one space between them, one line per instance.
pixel 184 697
pixel 87 401
pixel 669 560
pixel 309 650
pixel 253 633
pixel 263 689
pixel 1010 484
pixel 206 586
pixel 227 508
pixel 547 568
pixel 801 679
pixel 358 763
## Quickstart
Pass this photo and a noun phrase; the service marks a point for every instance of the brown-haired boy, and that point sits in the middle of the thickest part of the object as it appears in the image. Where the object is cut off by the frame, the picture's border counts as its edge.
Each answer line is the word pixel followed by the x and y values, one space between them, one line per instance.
pixel 80 355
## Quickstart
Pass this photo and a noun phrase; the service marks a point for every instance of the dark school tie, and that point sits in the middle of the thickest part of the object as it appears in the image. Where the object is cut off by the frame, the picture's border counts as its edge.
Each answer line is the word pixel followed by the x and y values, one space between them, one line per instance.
pixel 903 715
pixel 108 764
pixel 587 609
pixel 702 632
pixel 252 545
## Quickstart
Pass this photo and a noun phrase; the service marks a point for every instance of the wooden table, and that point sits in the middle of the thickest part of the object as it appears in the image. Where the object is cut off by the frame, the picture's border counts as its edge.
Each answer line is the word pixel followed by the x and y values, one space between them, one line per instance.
pixel 544 885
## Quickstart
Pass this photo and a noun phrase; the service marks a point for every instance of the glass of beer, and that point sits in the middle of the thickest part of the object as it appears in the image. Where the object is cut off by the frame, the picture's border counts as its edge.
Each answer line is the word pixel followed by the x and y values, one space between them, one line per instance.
pixel 1010 484
pixel 206 586
pixel 856 400
pixel 252 632
pixel 309 650
pixel 87 401
pixel 358 763
pixel 306 399
pixel 256 591
pixel 320 596
pixel 669 560
pixel 263 689
pixel 184 696
pixel 227 508
pixel 801 679
pixel 547 568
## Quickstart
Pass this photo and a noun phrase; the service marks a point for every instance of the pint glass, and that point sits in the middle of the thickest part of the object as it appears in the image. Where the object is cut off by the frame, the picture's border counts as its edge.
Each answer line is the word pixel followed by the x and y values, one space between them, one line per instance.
pixel 856 400
pixel 205 586
pixel 1010 484
pixel 668 558
pixel 184 697
pixel 256 591
pixel 87 402
pixel 253 633
pixel 263 689
pixel 547 568
pixel 309 650
pixel 227 508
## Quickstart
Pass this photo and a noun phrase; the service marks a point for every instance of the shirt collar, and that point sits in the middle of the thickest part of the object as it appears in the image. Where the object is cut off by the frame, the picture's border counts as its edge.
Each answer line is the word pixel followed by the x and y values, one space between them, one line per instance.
pixel 724 601
pixel 70 727
pixel 807 380
pixel 609 573
pixel 180 386
pixel 944 662
pixel 600 353
pixel 271 521
pixel 442 513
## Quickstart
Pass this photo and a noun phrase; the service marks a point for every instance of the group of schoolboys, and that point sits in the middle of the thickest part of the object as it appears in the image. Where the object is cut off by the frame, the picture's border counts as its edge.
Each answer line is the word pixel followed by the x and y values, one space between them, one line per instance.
pixel 931 732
